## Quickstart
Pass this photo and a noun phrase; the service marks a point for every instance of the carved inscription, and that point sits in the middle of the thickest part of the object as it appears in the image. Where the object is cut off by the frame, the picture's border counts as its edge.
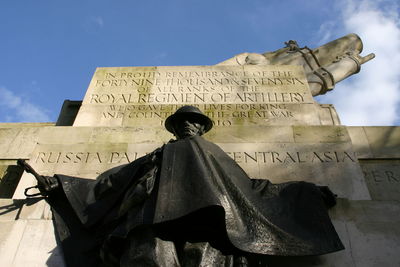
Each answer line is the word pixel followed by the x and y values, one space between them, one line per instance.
pixel 197 85
pixel 200 97
pixel 221 114
pixel 197 81
pixel 86 157
pixel 260 157
pixel 276 157
pixel 230 95
pixel 382 176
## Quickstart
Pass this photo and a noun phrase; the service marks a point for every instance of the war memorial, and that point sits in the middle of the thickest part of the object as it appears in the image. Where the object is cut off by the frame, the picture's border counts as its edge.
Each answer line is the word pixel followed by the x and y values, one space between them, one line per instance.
pixel 264 118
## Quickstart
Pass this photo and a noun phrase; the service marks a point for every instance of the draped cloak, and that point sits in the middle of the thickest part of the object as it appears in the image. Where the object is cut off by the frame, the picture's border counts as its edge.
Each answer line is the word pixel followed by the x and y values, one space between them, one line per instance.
pixel 180 179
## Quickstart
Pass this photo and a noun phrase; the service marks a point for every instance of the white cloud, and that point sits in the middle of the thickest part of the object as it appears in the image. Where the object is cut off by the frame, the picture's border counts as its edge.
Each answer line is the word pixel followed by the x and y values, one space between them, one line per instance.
pixel 14 108
pixel 371 97
pixel 325 31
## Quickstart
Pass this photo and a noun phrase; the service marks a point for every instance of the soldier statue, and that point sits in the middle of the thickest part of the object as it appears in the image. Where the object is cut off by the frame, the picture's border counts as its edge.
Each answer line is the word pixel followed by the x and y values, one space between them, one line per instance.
pixel 187 204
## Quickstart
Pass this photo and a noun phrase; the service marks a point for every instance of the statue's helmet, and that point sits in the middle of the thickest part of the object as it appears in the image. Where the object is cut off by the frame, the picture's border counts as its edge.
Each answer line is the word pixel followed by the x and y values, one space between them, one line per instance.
pixel 191 113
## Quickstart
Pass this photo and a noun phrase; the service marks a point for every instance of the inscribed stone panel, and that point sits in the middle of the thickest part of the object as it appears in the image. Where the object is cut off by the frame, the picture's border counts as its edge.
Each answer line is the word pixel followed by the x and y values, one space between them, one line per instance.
pixel 333 164
pixel 231 95
pixel 228 114
pixel 382 178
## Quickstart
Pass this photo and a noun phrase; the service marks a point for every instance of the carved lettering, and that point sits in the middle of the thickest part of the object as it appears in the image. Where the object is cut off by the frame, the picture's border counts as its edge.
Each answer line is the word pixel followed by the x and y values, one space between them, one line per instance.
pixel 174 79
pixel 391 177
pixel 382 176
pixel 85 157
pixel 199 98
pixel 119 157
pixel 297 157
pixel 259 157
pixel 222 114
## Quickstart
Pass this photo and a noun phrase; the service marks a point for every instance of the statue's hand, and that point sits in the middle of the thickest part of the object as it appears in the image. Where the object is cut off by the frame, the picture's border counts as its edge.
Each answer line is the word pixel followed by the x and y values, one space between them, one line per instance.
pixel 328 196
pixel 47 184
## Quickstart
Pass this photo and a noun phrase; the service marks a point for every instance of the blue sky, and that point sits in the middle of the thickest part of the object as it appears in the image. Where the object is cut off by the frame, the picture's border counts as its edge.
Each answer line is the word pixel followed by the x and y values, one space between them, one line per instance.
pixel 49 49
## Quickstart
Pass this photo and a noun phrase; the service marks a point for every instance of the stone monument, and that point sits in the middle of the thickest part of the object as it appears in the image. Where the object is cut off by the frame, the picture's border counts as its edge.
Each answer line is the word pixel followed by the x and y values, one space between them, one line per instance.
pixel 265 118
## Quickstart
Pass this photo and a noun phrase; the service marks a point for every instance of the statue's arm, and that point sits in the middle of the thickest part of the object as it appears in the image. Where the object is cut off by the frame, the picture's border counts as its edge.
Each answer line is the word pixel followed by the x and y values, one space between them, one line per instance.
pixel 45 184
pixel 328 196
pixel 265 187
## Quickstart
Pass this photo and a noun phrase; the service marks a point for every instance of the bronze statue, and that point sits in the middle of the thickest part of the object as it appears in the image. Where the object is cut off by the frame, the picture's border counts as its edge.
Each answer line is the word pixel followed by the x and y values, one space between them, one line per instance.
pixel 187 204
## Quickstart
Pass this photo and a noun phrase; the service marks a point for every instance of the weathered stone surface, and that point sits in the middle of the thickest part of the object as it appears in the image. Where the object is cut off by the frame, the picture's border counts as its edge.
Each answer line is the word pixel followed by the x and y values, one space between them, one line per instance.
pixel 139 135
pixel 320 134
pixel 376 142
pixel 11 233
pixel 229 95
pixel 18 142
pixel 10 209
pixel 251 134
pixel 64 135
pixel 371 231
pixel 38 246
pixel 360 142
pixel 24 209
pixel 35 209
pixel 382 178
pixel 248 134
pixel 384 141
pixel 105 135
pixel 328 115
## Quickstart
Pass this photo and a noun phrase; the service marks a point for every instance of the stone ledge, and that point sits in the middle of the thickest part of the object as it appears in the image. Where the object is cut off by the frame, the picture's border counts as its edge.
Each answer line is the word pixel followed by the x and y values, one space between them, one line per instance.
pixel 376 142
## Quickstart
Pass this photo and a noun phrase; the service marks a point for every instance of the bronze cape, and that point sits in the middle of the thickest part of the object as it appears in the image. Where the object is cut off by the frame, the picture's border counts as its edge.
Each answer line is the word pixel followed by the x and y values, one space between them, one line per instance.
pixel 189 186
